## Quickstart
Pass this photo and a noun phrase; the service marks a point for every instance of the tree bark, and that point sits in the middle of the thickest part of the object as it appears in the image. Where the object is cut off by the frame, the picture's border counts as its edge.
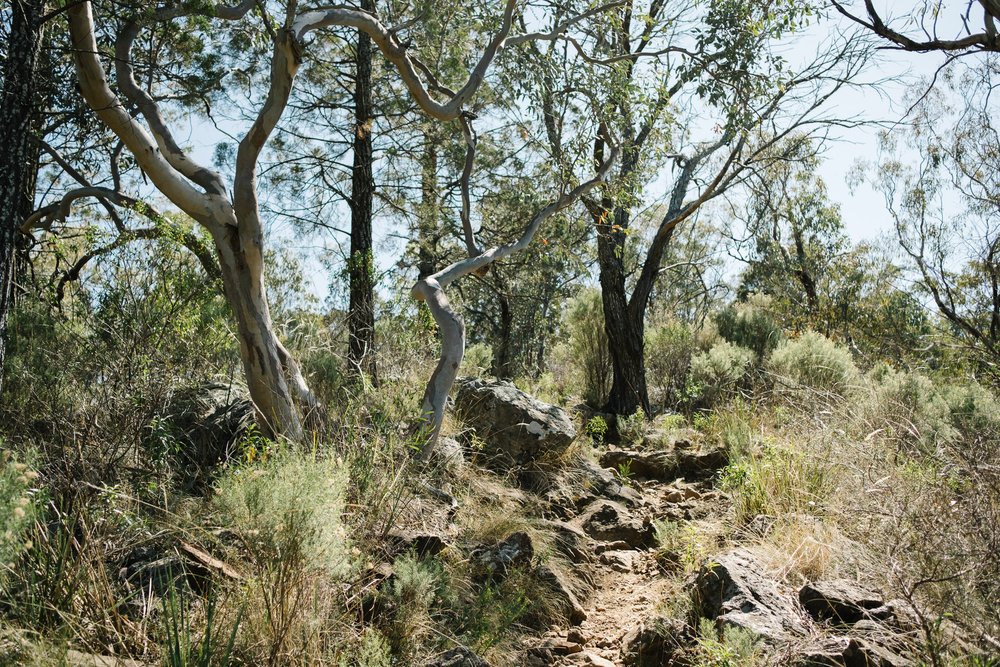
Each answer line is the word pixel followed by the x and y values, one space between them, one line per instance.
pixel 624 326
pixel 427 216
pixel 361 269
pixel 18 151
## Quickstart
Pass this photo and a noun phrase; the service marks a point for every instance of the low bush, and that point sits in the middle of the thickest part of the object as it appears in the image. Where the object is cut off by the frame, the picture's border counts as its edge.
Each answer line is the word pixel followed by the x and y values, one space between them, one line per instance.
pixel 719 372
pixel 814 362
pixel 750 325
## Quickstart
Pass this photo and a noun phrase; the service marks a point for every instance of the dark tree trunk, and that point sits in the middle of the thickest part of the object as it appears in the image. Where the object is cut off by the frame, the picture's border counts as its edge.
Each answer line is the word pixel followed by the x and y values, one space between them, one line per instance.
pixel 427 231
pixel 623 325
pixel 361 267
pixel 18 150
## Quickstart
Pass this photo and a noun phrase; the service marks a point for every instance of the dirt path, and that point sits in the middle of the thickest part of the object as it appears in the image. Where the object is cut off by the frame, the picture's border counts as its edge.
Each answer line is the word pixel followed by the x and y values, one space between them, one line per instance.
pixel 628 587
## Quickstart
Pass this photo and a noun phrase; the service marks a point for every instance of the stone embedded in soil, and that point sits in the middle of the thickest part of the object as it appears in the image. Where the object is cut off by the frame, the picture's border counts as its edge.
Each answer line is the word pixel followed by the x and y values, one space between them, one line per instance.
pixel 619 561
pixel 609 521
pixel 654 642
pixel 566 594
pixel 849 652
pixel 458 657
pixel 581 482
pixel 492 563
pixel 839 601
pixel 733 589
pixel 696 463
pixel 515 428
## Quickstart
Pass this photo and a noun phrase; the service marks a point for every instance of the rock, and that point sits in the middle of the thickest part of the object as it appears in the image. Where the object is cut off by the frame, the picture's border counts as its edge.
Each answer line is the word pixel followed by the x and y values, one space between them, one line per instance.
pixel 733 590
pixel 680 494
pixel 609 521
pixel 849 652
pixel 568 540
pixel 619 561
pixel 559 646
pixel 458 657
pixel 492 563
pixel 515 428
pixel 590 659
pixel 203 425
pixel 654 642
pixel 696 463
pixel 839 601
pixel 866 653
pixel 446 453
pixel 564 592
pixel 580 483
pixel 421 544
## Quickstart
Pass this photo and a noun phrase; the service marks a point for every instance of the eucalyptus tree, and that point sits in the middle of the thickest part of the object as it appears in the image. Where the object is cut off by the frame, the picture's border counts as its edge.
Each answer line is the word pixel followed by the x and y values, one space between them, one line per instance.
pixel 941 183
pixel 925 33
pixel 794 236
pixel 699 97
pixel 231 213
pixel 19 150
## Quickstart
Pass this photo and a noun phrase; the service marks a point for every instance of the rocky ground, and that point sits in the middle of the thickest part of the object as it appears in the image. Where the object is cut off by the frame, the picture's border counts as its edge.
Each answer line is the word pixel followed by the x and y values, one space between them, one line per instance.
pixel 633 597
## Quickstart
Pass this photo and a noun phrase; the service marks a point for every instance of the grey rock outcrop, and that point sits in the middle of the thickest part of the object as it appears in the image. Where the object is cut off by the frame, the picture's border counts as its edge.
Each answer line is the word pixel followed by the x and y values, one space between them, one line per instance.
pixel 733 590
pixel 514 427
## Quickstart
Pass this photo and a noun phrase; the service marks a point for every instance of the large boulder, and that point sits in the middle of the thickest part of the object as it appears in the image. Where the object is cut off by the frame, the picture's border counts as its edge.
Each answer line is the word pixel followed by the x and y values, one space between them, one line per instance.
pixel 201 427
pixel 514 427
pixel 733 589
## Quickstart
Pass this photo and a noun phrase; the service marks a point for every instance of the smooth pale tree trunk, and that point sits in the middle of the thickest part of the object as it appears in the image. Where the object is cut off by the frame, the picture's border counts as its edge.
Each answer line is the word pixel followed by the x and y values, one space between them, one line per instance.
pixel 18 150
pixel 265 361
pixel 361 269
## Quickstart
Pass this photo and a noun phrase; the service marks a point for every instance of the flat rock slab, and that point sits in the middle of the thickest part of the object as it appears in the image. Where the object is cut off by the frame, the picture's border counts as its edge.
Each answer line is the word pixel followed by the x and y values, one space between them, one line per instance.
pixel 839 601
pixel 733 589
pixel 515 428
pixel 699 462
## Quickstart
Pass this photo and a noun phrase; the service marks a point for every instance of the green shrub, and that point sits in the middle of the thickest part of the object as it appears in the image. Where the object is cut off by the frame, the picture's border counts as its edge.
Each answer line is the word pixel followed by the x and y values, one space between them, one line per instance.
pixel 815 362
pixel 718 372
pixel 750 325
pixel 907 408
pixel 669 348
pixel 288 512
pixel 596 428
pixel 632 428
pixel 588 345
pixel 973 409
pixel 477 361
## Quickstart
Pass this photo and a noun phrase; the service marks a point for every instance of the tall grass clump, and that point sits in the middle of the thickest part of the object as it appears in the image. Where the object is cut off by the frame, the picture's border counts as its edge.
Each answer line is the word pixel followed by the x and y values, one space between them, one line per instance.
pixel 587 345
